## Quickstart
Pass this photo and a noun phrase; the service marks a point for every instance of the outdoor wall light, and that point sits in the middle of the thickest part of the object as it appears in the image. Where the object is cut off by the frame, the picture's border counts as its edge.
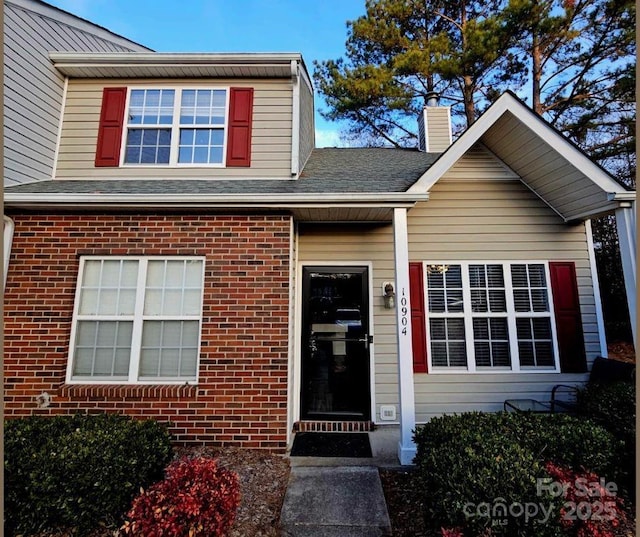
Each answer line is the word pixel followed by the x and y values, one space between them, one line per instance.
pixel 433 269
pixel 389 295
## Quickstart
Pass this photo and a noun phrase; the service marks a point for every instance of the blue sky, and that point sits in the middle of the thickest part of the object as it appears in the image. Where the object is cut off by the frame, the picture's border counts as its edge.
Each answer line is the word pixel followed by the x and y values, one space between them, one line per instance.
pixel 315 28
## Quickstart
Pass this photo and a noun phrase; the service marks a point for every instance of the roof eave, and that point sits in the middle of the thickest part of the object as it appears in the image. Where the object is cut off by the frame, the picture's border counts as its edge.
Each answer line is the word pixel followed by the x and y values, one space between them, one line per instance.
pixel 106 64
pixel 219 201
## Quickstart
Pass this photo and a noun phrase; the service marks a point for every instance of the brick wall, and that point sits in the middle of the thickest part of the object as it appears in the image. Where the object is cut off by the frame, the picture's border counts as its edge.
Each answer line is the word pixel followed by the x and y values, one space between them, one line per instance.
pixel 241 396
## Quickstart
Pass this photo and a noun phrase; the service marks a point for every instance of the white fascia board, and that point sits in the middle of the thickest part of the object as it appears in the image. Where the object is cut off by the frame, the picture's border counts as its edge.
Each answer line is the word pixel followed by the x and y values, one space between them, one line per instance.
pixel 252 201
pixel 508 103
pixel 59 59
pixel 627 195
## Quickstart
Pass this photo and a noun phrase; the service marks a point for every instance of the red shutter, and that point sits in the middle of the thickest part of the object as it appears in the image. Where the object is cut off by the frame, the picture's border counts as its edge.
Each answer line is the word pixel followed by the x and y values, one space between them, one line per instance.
pixel 110 129
pixel 566 305
pixel 240 117
pixel 418 326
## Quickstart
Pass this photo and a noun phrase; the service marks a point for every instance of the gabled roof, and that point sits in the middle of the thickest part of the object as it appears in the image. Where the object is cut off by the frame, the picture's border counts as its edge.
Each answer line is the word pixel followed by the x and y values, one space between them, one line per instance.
pixel 77 23
pixel 550 165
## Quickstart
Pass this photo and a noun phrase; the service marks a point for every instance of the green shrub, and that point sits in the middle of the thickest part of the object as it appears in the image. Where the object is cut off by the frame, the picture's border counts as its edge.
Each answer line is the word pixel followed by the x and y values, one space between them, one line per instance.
pixel 477 459
pixel 78 471
pixel 613 406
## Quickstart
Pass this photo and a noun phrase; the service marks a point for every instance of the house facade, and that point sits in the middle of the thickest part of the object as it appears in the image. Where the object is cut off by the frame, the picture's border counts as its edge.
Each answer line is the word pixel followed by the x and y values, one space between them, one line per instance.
pixel 193 258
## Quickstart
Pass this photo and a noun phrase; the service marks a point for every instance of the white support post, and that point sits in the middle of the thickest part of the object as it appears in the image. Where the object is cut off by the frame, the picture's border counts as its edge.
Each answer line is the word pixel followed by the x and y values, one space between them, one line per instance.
pixel 626 224
pixel 406 446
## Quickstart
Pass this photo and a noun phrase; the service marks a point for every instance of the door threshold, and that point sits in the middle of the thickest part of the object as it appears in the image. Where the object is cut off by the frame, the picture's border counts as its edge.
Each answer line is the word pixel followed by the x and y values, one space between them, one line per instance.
pixel 324 426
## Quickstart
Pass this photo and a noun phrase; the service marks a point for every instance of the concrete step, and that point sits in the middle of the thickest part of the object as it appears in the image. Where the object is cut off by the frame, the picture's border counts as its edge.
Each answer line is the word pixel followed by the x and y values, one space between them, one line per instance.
pixel 335 501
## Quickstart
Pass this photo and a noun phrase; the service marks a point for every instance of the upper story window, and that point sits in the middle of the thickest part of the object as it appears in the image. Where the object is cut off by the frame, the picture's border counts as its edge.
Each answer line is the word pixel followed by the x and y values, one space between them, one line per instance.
pixel 167 126
pixel 200 126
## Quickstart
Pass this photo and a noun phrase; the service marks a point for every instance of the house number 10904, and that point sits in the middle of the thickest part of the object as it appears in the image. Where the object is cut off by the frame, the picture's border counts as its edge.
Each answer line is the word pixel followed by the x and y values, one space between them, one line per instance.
pixel 404 313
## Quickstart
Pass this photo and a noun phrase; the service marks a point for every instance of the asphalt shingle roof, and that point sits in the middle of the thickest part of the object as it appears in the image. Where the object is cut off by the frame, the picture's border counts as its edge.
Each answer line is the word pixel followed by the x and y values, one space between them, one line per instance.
pixel 328 170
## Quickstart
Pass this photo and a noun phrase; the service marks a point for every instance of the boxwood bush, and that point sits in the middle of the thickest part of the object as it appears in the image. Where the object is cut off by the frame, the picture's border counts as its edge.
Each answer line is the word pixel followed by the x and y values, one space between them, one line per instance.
pixel 78 472
pixel 613 406
pixel 471 462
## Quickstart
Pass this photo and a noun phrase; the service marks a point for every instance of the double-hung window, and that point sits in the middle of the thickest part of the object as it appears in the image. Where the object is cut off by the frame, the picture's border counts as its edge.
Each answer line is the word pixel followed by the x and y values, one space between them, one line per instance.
pixel 176 126
pixel 137 320
pixel 490 316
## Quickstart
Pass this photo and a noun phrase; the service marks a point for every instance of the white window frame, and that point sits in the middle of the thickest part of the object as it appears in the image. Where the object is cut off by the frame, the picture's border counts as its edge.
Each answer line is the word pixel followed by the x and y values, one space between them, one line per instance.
pixel 175 128
pixel 511 315
pixel 138 319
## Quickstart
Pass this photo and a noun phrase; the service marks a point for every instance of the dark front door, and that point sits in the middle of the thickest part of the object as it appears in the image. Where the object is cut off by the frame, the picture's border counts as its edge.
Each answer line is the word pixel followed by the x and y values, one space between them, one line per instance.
pixel 335 343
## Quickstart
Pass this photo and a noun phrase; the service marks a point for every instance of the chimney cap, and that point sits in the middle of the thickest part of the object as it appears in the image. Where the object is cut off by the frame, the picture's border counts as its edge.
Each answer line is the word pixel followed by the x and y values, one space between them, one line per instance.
pixel 433 98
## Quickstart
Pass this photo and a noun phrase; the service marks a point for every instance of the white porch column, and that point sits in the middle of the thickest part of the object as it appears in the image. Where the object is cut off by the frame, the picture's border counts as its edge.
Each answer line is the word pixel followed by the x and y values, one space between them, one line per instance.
pixel 406 447
pixel 626 224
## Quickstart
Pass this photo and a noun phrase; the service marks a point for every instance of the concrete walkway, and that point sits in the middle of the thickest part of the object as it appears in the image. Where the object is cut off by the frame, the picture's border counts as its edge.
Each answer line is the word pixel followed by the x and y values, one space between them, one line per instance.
pixel 334 501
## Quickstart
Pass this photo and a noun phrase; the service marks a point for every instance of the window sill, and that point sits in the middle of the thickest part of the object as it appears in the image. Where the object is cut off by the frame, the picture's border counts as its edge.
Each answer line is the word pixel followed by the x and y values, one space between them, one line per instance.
pixel 130 391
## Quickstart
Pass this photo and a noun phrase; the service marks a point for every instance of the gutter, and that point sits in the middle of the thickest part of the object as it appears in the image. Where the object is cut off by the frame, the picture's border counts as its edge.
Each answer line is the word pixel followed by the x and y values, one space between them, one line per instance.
pixel 628 196
pixel 235 201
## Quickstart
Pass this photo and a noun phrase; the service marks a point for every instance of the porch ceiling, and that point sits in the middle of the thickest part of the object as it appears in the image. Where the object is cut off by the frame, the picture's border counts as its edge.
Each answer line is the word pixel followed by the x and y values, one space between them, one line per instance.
pixel 343 214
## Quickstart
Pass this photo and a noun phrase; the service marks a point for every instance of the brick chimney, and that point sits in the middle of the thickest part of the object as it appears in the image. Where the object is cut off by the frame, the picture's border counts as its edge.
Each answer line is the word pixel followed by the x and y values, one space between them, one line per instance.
pixel 434 126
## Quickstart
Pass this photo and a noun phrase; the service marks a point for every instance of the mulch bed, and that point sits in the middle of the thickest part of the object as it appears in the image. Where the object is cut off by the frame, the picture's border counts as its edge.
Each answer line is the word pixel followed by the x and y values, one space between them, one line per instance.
pixel 263 483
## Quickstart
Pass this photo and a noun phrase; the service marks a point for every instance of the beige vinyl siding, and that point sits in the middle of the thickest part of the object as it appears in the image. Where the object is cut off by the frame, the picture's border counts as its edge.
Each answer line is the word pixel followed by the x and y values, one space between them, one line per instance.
pixel 307 127
pixel 466 219
pixel 361 244
pixel 434 129
pixel 33 89
pixel 270 142
pixel 493 221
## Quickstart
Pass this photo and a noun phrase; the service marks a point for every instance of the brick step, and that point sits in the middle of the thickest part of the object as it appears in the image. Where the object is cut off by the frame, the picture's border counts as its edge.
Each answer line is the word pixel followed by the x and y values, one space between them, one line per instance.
pixel 333 426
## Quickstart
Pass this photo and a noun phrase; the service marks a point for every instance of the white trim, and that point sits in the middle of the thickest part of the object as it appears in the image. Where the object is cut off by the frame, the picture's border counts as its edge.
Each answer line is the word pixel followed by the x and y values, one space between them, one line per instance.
pixel 627 195
pixel 297 377
pixel 175 127
pixel 7 240
pixel 137 318
pixel 291 358
pixel 295 125
pixel 173 58
pixel 511 316
pixel 255 200
pixel 595 281
pixel 56 152
pixel 507 103
pixel 406 389
pixel 626 225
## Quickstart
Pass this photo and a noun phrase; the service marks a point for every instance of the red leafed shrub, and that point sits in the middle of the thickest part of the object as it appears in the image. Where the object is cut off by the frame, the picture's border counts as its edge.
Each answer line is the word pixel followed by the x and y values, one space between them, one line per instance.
pixel 197 498
pixel 592 507
pixel 451 532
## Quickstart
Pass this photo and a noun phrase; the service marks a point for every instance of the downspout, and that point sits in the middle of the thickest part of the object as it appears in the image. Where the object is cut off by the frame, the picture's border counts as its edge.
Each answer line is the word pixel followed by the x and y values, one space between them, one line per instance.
pixel 295 119
pixel 9 227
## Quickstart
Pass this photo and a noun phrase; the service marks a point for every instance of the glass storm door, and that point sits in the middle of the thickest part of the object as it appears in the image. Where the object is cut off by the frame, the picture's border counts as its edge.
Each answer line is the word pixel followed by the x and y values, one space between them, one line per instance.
pixel 335 344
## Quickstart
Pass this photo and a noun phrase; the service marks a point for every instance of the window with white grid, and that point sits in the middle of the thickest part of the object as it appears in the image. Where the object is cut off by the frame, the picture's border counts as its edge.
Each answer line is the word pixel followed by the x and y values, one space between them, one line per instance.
pixel 490 316
pixel 176 126
pixel 137 320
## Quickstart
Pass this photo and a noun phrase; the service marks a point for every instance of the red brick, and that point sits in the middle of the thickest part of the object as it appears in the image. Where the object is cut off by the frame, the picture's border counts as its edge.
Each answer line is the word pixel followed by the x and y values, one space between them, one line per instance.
pixel 242 392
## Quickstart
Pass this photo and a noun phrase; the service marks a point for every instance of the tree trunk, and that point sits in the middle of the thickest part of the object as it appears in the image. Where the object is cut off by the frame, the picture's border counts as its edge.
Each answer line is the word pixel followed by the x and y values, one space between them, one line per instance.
pixel 469 105
pixel 536 57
